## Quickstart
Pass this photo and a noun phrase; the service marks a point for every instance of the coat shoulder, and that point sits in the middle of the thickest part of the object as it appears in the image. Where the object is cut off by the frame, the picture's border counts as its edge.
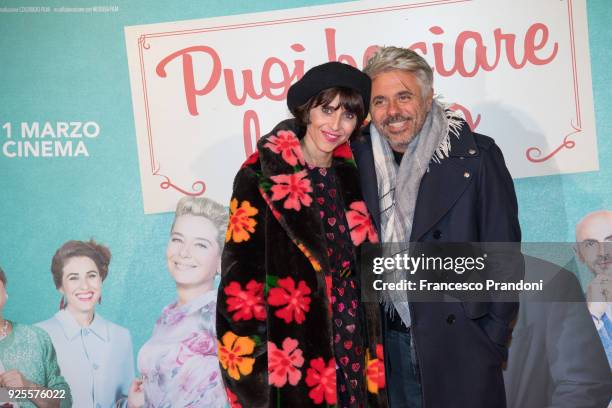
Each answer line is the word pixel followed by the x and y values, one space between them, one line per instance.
pixel 482 141
pixel 485 146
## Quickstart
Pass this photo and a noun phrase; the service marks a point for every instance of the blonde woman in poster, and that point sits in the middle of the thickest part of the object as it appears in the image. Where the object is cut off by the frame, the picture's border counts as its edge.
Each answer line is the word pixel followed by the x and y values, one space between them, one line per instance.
pixel 94 354
pixel 178 364
pixel 28 362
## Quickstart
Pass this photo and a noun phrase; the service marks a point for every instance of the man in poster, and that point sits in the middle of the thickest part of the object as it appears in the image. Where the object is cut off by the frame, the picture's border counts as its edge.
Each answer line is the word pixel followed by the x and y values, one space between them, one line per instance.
pixel 427 177
pixel 594 249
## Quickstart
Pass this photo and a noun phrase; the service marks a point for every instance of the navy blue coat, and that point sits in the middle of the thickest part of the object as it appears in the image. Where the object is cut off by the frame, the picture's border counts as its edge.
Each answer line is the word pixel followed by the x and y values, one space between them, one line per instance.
pixel 467 197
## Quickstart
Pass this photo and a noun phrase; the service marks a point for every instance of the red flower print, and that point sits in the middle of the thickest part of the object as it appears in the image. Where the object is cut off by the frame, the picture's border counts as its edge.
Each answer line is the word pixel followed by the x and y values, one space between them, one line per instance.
pixel 293 186
pixel 233 399
pixel 251 159
pixel 287 145
pixel 375 371
pixel 247 303
pixel 322 379
pixel 343 151
pixel 360 223
pixel 284 364
pixel 296 301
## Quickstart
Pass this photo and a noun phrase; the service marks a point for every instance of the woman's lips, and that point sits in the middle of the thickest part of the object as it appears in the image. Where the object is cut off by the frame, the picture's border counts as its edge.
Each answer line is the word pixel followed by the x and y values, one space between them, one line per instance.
pixel 85 296
pixel 330 136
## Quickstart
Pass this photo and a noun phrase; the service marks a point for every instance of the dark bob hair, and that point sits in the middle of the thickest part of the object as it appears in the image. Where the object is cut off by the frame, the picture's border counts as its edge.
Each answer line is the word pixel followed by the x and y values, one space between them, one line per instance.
pixel 350 100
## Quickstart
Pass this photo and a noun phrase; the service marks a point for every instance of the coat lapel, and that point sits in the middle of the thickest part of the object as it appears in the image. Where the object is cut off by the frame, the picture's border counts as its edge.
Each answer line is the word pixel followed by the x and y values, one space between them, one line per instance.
pixel 438 192
pixel 444 183
pixel 288 191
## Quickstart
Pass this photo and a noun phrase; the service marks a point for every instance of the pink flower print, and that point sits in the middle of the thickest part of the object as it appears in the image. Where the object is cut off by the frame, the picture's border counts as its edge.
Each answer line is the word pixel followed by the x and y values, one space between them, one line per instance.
pixel 171 315
pixel 360 223
pixel 202 343
pixel 199 343
pixel 187 377
pixel 296 187
pixel 287 145
pixel 284 364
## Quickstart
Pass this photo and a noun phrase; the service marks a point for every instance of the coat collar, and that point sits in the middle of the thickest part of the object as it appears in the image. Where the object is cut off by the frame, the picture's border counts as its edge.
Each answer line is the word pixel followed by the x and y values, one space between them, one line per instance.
pixel 99 326
pixel 440 187
pixel 286 187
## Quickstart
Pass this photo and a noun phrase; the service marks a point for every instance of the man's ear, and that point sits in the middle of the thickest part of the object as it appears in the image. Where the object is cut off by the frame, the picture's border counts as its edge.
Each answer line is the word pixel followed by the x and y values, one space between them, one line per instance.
pixel 430 100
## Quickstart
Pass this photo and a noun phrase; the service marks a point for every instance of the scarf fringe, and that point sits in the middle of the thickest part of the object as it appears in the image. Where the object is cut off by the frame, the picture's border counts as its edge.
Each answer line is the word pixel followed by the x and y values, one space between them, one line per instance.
pixel 454 122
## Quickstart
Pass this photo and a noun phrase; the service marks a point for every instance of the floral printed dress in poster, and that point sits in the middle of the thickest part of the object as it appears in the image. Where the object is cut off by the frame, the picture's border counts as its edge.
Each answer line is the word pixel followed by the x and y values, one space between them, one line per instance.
pixel 179 364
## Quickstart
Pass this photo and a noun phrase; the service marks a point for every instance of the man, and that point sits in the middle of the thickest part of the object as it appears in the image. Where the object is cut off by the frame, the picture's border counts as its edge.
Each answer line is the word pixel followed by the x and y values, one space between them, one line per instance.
pixel 555 357
pixel 426 177
pixel 594 250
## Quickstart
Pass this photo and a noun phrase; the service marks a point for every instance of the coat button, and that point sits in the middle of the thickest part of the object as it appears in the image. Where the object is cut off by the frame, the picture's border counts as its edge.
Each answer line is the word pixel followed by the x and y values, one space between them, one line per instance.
pixel 450 319
pixel 437 234
pixel 466 174
pixel 472 151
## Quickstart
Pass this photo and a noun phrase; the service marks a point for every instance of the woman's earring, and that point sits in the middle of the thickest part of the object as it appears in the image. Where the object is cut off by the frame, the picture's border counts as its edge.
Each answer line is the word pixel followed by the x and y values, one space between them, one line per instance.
pixel 100 300
pixel 62 303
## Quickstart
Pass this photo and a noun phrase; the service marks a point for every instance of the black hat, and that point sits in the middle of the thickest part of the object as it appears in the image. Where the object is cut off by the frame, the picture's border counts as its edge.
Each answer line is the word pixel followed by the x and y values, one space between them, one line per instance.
pixel 329 75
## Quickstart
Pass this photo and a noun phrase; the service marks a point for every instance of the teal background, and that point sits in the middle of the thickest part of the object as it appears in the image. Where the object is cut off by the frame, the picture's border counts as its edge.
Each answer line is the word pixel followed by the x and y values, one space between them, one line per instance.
pixel 73 67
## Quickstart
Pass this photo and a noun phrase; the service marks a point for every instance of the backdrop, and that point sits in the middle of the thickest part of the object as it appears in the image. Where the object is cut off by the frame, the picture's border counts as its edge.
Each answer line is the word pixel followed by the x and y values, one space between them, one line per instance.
pixel 71 66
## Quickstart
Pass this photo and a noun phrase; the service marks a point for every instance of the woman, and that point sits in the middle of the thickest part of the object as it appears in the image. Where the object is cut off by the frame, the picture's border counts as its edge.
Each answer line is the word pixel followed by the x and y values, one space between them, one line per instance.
pixel 94 354
pixel 289 319
pixel 178 364
pixel 27 361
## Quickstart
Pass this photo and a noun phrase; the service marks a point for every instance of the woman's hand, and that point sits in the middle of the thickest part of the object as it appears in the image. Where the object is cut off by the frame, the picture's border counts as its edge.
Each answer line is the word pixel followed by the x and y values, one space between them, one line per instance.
pixel 14 379
pixel 136 394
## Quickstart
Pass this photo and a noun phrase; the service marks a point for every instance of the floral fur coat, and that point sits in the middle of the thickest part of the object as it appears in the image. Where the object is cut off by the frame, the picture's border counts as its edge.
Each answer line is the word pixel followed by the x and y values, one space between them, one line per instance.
pixel 273 314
